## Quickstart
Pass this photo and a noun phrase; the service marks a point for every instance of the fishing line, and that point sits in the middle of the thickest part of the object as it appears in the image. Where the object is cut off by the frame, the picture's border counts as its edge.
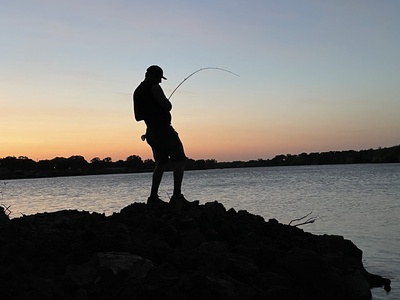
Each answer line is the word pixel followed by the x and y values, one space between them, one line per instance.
pixel 201 69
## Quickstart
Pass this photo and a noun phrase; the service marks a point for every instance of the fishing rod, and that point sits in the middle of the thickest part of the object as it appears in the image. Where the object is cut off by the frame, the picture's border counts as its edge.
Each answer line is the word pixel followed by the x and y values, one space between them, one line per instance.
pixel 201 69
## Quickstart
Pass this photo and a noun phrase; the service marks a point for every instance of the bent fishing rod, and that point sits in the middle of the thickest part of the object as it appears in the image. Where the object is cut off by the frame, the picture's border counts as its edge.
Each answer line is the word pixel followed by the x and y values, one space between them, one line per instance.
pixel 201 69
pixel 143 137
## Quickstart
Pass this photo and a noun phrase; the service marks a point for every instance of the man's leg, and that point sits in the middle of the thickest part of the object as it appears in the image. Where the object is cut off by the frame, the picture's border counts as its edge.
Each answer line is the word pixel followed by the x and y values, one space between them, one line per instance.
pixel 177 198
pixel 178 177
pixel 157 176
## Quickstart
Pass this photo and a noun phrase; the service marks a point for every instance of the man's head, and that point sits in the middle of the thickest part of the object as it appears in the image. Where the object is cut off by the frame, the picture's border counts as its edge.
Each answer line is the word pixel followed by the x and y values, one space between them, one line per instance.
pixel 154 73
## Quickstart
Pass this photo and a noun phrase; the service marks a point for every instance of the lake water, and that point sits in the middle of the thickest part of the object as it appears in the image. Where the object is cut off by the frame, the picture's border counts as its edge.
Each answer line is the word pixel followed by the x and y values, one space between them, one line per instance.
pixel 359 202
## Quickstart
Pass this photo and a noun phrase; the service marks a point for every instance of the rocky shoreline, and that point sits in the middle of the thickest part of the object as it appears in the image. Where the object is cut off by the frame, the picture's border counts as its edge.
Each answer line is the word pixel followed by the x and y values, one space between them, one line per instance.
pixel 165 252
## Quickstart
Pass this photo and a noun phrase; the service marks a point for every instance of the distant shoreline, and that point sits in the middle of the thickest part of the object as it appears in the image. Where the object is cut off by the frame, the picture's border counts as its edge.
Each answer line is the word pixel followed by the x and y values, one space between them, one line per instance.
pixel 25 168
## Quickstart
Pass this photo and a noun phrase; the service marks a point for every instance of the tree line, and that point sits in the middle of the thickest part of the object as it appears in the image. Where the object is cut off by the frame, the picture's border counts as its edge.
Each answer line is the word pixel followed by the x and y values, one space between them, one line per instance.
pixel 24 167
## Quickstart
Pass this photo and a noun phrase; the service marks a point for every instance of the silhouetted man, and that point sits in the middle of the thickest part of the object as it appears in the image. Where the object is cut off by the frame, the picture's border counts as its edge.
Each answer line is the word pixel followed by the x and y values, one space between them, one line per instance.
pixel 151 106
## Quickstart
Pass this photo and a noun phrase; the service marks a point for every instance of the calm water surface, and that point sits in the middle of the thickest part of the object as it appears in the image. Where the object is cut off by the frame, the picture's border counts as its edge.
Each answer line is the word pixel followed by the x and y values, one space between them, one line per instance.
pixel 359 202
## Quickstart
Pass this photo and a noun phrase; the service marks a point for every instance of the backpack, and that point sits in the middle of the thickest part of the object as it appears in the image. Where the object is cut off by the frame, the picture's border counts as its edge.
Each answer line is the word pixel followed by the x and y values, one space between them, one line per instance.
pixel 140 103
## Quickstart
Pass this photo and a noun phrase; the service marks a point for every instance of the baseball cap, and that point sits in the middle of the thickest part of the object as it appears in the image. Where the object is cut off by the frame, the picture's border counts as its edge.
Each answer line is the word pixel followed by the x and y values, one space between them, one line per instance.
pixel 155 70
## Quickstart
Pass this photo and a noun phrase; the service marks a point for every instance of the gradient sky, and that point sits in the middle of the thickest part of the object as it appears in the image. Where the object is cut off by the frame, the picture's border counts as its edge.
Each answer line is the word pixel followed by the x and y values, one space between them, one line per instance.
pixel 315 76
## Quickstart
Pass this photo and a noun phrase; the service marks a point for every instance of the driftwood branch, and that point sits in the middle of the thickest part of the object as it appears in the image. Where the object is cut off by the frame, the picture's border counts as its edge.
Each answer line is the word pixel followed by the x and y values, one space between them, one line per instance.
pixel 307 219
pixel 7 210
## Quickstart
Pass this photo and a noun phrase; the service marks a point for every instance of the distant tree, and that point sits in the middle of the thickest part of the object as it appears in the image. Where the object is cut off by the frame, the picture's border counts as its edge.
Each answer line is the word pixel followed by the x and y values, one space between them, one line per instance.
pixel 291 159
pixel 77 162
pixel 96 163
pixel 9 163
pixel 25 163
pixel 313 158
pixel 200 164
pixel 134 162
pixel 60 164
pixel 203 164
pixel 21 163
pixel 106 163
pixel 148 164
pixel 119 164
pixel 45 165
pixel 95 160
pixel 303 158
pixel 279 160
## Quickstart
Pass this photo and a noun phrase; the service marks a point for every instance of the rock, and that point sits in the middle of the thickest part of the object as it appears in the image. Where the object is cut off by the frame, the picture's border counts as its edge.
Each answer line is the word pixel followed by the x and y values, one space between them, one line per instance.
pixel 4 220
pixel 120 261
pixel 357 286
pixel 82 274
pixel 115 262
pixel 192 239
pixel 190 252
pixel 213 248
pixel 312 275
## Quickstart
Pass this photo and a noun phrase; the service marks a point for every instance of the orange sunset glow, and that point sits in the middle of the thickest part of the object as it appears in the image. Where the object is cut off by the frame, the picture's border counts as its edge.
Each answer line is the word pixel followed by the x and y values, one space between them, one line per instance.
pixel 313 77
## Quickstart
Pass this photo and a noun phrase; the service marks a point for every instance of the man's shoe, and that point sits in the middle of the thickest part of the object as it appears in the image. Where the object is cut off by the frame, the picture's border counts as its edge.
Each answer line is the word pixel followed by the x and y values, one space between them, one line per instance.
pixel 180 200
pixel 155 200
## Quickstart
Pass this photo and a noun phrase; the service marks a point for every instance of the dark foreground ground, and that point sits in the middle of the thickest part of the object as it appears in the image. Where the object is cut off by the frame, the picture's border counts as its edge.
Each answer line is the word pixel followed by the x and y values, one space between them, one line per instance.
pixel 192 252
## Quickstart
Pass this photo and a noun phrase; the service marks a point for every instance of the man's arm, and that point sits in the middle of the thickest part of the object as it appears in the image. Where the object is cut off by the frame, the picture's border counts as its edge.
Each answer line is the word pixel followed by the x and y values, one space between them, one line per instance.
pixel 158 93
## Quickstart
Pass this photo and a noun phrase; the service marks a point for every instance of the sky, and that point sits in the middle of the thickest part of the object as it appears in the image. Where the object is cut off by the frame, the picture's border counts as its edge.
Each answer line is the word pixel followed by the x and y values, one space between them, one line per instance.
pixel 314 76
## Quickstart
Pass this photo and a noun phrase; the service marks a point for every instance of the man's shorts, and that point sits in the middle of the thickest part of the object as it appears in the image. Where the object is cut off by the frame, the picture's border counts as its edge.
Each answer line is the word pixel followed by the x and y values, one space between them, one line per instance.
pixel 165 144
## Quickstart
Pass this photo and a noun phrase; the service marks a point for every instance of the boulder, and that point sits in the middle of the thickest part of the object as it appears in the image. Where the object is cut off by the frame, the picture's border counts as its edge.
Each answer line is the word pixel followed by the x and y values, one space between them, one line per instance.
pixel 165 252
